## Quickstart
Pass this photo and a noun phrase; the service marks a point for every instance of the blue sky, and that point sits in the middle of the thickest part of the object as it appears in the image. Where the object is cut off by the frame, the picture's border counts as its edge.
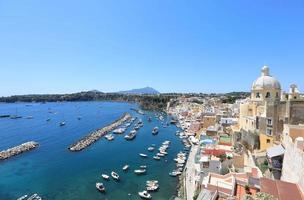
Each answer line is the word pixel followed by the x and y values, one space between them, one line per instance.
pixel 171 45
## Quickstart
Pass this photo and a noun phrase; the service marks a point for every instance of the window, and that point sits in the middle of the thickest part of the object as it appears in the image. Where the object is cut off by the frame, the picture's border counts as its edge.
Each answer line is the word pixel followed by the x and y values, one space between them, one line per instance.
pixel 295 97
pixel 267 95
pixel 277 95
pixel 269 121
pixel 257 95
pixel 286 96
pixel 269 132
pixel 268 141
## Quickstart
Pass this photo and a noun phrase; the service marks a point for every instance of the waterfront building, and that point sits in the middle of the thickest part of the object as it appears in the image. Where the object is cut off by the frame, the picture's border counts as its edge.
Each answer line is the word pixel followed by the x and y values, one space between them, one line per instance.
pixel 293 163
pixel 263 115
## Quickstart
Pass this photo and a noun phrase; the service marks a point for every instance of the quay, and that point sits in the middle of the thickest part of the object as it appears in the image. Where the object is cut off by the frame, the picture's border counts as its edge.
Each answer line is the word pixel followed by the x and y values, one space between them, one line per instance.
pixel 96 135
pixel 18 150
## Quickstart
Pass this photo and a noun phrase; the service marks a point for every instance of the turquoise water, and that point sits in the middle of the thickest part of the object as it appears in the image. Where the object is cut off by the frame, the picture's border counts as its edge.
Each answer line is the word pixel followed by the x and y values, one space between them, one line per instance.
pixel 56 173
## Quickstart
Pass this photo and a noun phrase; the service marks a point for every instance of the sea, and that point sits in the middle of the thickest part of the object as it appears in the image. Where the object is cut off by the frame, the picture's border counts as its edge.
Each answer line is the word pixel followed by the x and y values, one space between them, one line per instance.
pixel 55 173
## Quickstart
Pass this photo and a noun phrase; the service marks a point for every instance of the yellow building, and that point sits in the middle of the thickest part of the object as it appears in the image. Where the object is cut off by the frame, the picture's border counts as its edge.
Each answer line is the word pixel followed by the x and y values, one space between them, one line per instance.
pixel 263 115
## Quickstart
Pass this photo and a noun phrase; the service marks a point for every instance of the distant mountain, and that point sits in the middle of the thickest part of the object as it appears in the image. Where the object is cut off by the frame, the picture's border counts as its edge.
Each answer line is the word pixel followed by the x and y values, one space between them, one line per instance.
pixel 146 90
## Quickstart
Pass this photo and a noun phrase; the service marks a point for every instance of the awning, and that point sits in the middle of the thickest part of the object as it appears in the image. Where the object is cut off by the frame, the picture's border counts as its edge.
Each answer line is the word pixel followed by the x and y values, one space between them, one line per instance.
pixel 275 151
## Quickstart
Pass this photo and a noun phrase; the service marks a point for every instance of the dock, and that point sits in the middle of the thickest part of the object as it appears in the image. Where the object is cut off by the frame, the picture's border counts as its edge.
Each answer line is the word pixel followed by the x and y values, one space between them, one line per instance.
pixel 18 150
pixel 96 135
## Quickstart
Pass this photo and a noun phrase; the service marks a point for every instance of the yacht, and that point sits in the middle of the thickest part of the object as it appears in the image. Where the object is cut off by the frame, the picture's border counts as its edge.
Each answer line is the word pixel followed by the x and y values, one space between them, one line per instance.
pixel 152 186
pixel 100 187
pixel 115 176
pixel 145 195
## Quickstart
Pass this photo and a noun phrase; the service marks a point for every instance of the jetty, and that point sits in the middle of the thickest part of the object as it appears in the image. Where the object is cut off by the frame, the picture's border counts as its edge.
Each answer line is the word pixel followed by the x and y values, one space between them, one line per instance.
pixel 18 150
pixel 96 135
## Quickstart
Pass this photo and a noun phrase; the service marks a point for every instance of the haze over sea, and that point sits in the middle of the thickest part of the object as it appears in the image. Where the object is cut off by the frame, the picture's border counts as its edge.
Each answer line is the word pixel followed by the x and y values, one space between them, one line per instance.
pixel 55 173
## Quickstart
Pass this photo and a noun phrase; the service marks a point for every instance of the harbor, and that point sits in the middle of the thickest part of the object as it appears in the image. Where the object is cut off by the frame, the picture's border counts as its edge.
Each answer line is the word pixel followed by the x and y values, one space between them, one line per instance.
pixel 96 135
pixel 6 154
pixel 56 173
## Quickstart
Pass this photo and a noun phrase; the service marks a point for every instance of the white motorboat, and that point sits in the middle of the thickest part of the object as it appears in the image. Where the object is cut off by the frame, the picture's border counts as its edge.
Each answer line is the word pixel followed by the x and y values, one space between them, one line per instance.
pixel 106 177
pixel 143 167
pixel 143 155
pixel 145 195
pixel 155 131
pixel 23 197
pixel 126 167
pixel 115 176
pixel 100 187
pixel 140 171
pixel 62 124
pixel 109 137
pixel 151 149
pixel 119 130
pixel 156 157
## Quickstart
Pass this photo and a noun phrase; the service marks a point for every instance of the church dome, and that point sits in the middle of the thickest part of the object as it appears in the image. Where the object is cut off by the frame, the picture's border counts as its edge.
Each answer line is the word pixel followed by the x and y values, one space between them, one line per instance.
pixel 265 81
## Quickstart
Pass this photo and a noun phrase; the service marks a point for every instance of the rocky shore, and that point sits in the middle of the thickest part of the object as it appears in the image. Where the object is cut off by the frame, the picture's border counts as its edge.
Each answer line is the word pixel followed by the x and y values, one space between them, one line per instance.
pixel 96 135
pixel 18 150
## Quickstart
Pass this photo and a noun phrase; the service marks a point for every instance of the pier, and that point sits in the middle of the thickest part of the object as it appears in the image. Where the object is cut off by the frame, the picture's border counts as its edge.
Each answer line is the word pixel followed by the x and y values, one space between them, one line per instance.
pixel 96 135
pixel 18 150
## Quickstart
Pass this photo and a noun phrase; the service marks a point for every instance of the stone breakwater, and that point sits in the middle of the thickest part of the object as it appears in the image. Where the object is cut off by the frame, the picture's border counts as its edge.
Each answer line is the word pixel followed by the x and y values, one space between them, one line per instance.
pixel 18 150
pixel 96 135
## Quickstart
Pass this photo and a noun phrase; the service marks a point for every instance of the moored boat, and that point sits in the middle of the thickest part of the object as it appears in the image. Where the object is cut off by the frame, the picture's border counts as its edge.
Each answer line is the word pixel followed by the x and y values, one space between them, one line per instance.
pixel 126 167
pixel 145 195
pixel 100 187
pixel 106 177
pixel 156 157
pixel 155 130
pixel 140 171
pixel 115 176
pixel 62 123
pixel 143 155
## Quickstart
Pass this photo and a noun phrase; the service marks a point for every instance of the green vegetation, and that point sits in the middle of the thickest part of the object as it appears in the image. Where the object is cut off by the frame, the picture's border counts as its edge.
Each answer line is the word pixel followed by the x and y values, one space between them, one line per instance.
pixel 264 166
pixel 158 101
pixel 259 196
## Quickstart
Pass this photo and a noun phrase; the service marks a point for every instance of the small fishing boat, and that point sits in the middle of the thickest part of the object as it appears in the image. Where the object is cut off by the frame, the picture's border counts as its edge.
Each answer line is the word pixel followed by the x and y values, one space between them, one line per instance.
pixel 143 167
pixel 22 197
pixel 115 176
pixel 29 117
pixel 145 195
pixel 109 137
pixel 100 187
pixel 126 167
pixel 143 155
pixel 119 130
pixel 151 149
pixel 131 135
pixel 156 157
pixel 106 177
pixel 48 119
pixel 62 123
pixel 140 171
pixel 152 188
pixel 155 131
pixel 149 119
